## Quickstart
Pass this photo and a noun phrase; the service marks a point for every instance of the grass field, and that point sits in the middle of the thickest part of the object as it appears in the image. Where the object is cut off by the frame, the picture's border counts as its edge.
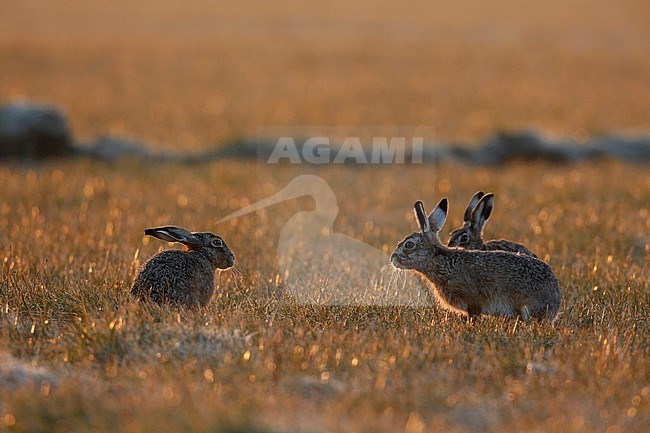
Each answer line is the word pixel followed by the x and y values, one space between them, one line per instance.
pixel 194 75
pixel 71 231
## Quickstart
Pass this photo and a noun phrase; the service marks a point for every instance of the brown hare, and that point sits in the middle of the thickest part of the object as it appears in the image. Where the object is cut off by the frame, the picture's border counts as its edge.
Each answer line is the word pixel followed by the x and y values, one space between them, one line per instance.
pixel 470 235
pixel 182 277
pixel 473 282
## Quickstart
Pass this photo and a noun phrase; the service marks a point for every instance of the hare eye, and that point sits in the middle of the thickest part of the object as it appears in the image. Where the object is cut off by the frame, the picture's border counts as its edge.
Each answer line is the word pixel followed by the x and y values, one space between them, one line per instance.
pixel 409 245
pixel 217 243
pixel 464 238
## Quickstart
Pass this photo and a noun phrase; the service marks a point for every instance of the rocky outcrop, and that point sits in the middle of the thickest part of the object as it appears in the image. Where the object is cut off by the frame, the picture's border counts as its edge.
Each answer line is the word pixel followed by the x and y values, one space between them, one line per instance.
pixel 32 131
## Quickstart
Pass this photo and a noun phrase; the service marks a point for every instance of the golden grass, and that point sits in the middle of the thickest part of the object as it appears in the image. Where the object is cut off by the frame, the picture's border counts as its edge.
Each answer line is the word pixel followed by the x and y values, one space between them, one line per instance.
pixel 253 362
pixel 192 76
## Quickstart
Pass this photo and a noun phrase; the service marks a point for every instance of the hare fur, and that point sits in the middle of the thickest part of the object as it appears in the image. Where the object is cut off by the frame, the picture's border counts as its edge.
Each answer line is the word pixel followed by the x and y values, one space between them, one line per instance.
pixel 472 282
pixel 182 277
pixel 470 234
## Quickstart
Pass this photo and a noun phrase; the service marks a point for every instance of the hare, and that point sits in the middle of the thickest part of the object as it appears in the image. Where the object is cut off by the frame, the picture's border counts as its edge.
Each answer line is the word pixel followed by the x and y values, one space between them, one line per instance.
pixel 182 277
pixel 473 282
pixel 470 235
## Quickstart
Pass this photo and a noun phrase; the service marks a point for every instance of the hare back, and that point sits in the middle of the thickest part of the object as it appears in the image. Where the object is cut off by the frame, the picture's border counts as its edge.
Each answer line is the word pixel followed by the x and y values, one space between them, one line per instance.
pixel 501 270
pixel 505 245
pixel 176 276
pixel 497 282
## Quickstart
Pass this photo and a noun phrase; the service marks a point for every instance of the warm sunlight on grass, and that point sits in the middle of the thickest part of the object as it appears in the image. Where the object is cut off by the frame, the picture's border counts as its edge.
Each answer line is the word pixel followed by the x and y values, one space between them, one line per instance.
pixel 78 354
pixel 252 361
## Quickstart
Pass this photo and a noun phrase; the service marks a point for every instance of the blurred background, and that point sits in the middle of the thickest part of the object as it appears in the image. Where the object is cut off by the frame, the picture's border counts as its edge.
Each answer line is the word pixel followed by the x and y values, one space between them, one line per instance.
pixel 170 78
pixel 196 74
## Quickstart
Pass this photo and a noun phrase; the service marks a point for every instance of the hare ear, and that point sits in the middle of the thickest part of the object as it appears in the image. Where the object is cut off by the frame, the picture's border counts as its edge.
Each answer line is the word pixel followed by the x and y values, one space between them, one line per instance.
pixel 438 216
pixel 482 212
pixel 477 213
pixel 471 205
pixel 489 205
pixel 421 217
pixel 173 234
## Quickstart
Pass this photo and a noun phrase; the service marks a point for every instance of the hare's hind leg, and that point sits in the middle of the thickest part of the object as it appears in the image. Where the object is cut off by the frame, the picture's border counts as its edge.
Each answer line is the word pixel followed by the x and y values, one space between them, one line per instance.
pixel 473 312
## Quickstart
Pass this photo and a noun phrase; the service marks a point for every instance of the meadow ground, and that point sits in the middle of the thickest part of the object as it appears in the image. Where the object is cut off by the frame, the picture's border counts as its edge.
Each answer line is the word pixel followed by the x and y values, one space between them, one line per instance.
pixel 72 242
pixel 71 235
